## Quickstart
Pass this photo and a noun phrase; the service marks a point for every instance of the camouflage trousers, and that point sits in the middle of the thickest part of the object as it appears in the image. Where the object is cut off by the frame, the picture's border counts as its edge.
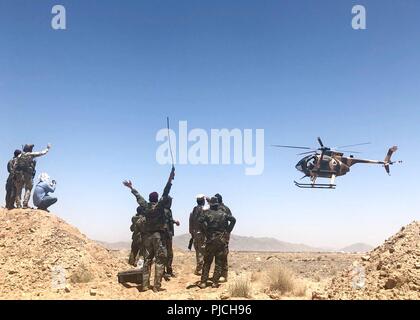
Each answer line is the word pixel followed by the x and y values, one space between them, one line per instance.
pixel 170 254
pixel 10 192
pixel 137 250
pixel 225 267
pixel 215 250
pixel 23 180
pixel 199 241
pixel 154 248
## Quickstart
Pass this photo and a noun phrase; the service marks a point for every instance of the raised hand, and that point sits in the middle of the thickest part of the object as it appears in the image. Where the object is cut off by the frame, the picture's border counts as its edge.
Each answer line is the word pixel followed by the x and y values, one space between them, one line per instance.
pixel 128 184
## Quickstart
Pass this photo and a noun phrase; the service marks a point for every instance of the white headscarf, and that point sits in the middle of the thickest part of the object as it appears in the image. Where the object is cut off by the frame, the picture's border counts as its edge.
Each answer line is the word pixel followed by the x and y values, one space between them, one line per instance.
pixel 44 177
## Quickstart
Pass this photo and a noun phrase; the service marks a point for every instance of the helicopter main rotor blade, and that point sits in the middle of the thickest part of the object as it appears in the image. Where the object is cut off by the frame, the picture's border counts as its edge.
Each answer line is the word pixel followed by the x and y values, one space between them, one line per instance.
pixel 320 142
pixel 347 151
pixel 308 152
pixel 292 147
pixel 353 145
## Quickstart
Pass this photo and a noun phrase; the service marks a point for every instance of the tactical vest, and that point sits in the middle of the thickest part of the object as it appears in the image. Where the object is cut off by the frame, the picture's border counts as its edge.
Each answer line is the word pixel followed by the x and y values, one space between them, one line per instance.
pixel 25 163
pixel 216 221
pixel 155 218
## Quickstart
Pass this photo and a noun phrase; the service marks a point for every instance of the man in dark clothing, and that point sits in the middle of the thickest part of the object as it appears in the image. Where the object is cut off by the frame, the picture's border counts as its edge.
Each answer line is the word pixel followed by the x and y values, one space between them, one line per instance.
pixel 215 223
pixel 225 267
pixel 169 234
pixel 154 234
pixel 10 184
pixel 197 234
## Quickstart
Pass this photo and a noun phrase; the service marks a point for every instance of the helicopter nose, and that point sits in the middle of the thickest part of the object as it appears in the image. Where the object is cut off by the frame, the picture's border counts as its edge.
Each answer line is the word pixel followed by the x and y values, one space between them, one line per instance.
pixel 299 167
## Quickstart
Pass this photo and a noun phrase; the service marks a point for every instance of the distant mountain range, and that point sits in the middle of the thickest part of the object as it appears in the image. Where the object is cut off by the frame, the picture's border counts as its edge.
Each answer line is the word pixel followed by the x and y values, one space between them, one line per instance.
pixel 241 243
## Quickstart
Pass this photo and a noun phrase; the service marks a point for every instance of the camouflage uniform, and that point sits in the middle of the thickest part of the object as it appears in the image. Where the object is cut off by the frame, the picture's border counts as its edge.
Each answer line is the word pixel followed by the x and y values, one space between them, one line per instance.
pixel 137 228
pixel 199 239
pixel 169 233
pixel 24 175
pixel 216 223
pixel 225 268
pixel 153 239
pixel 137 225
pixel 10 185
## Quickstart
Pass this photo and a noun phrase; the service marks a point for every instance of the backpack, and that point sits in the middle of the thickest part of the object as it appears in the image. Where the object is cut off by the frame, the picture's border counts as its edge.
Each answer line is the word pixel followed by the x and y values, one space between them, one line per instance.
pixel 25 163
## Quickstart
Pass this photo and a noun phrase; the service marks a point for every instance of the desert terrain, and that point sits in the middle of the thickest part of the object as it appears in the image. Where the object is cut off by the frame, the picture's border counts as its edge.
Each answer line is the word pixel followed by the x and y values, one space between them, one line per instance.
pixel 43 257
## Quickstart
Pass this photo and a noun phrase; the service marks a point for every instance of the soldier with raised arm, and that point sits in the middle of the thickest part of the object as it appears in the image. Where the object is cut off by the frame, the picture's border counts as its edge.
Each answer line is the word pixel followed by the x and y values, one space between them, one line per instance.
pixel 25 173
pixel 154 235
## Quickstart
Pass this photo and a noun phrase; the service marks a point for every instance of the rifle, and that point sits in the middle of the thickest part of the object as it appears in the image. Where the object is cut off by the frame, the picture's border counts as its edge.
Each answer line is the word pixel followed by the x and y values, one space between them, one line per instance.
pixel 190 244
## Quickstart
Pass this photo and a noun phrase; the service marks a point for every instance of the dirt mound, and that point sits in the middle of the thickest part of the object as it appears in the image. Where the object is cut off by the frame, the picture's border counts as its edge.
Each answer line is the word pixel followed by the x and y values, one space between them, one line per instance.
pixel 391 271
pixel 40 254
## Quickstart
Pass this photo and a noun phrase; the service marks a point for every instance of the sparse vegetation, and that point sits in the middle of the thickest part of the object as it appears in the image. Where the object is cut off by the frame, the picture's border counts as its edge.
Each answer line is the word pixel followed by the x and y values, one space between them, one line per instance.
pixel 241 288
pixel 81 275
pixel 283 280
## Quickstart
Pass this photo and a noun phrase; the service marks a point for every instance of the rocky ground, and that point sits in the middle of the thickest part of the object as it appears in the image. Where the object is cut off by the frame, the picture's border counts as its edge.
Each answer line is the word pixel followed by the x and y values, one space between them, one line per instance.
pixel 391 271
pixel 43 257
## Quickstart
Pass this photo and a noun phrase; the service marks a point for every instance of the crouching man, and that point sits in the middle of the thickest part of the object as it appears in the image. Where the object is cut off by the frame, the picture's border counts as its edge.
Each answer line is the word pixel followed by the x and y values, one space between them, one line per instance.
pixel 42 199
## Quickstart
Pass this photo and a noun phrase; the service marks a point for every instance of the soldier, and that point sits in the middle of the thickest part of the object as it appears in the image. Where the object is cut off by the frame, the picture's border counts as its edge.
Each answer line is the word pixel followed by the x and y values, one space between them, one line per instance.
pixel 197 234
pixel 215 223
pixel 25 172
pixel 10 184
pixel 225 268
pixel 154 234
pixel 169 234
pixel 137 226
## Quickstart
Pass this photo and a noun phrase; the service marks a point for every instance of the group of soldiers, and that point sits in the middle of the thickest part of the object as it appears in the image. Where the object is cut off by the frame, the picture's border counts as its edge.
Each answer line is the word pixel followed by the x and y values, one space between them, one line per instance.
pixel 22 170
pixel 153 231
pixel 210 230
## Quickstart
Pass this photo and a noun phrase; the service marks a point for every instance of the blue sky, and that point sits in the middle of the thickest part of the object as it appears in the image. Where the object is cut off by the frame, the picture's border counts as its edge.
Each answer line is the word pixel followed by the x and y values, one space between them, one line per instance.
pixel 100 90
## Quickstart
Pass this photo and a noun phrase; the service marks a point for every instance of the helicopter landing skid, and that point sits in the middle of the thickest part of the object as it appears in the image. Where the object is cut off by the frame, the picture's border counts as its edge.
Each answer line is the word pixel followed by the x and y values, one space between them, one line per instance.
pixel 314 185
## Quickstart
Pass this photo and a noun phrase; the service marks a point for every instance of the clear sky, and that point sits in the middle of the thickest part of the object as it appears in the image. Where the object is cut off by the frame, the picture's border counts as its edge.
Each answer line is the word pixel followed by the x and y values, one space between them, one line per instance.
pixel 100 90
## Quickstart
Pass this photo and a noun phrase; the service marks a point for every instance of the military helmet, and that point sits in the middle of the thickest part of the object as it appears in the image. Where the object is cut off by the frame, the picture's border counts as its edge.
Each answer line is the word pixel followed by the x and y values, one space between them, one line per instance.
pixel 28 147
pixel 214 201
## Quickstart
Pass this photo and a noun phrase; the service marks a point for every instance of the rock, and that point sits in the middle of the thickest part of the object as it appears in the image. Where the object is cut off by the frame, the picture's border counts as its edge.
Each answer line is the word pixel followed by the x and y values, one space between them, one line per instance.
pixel 67 288
pixel 318 296
pixel 390 284
pixel 366 258
pixel 224 296
pixel 93 292
pixel 417 266
pixel 391 250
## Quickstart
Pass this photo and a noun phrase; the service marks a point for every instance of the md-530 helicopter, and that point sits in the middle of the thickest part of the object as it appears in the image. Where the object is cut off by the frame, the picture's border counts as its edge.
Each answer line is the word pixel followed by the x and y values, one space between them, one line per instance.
pixel 330 163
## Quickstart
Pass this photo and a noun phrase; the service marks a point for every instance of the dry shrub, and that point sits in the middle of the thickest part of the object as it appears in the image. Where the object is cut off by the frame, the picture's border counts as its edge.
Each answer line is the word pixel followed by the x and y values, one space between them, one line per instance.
pixel 241 288
pixel 255 276
pixel 81 275
pixel 283 280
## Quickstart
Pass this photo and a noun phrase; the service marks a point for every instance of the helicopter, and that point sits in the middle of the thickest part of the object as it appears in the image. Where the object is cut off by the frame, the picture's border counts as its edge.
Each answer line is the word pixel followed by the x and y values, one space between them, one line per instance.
pixel 325 162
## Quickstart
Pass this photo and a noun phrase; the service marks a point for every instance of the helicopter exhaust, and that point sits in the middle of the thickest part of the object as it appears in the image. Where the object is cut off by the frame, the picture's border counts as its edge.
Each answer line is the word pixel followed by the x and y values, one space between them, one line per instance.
pixel 387 161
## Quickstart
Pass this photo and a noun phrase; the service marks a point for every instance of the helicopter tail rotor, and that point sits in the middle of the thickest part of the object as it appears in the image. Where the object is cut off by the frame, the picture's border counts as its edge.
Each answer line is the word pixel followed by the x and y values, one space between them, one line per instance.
pixel 387 161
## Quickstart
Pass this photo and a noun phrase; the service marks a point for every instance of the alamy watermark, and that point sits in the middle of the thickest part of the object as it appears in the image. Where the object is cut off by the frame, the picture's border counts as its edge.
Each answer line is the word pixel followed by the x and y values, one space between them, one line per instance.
pixel 58 277
pixel 214 147
pixel 358 277
pixel 58 21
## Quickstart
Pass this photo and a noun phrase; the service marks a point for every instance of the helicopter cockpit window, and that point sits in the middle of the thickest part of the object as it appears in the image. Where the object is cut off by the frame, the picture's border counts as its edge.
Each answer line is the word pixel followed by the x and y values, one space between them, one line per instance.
pixel 311 162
